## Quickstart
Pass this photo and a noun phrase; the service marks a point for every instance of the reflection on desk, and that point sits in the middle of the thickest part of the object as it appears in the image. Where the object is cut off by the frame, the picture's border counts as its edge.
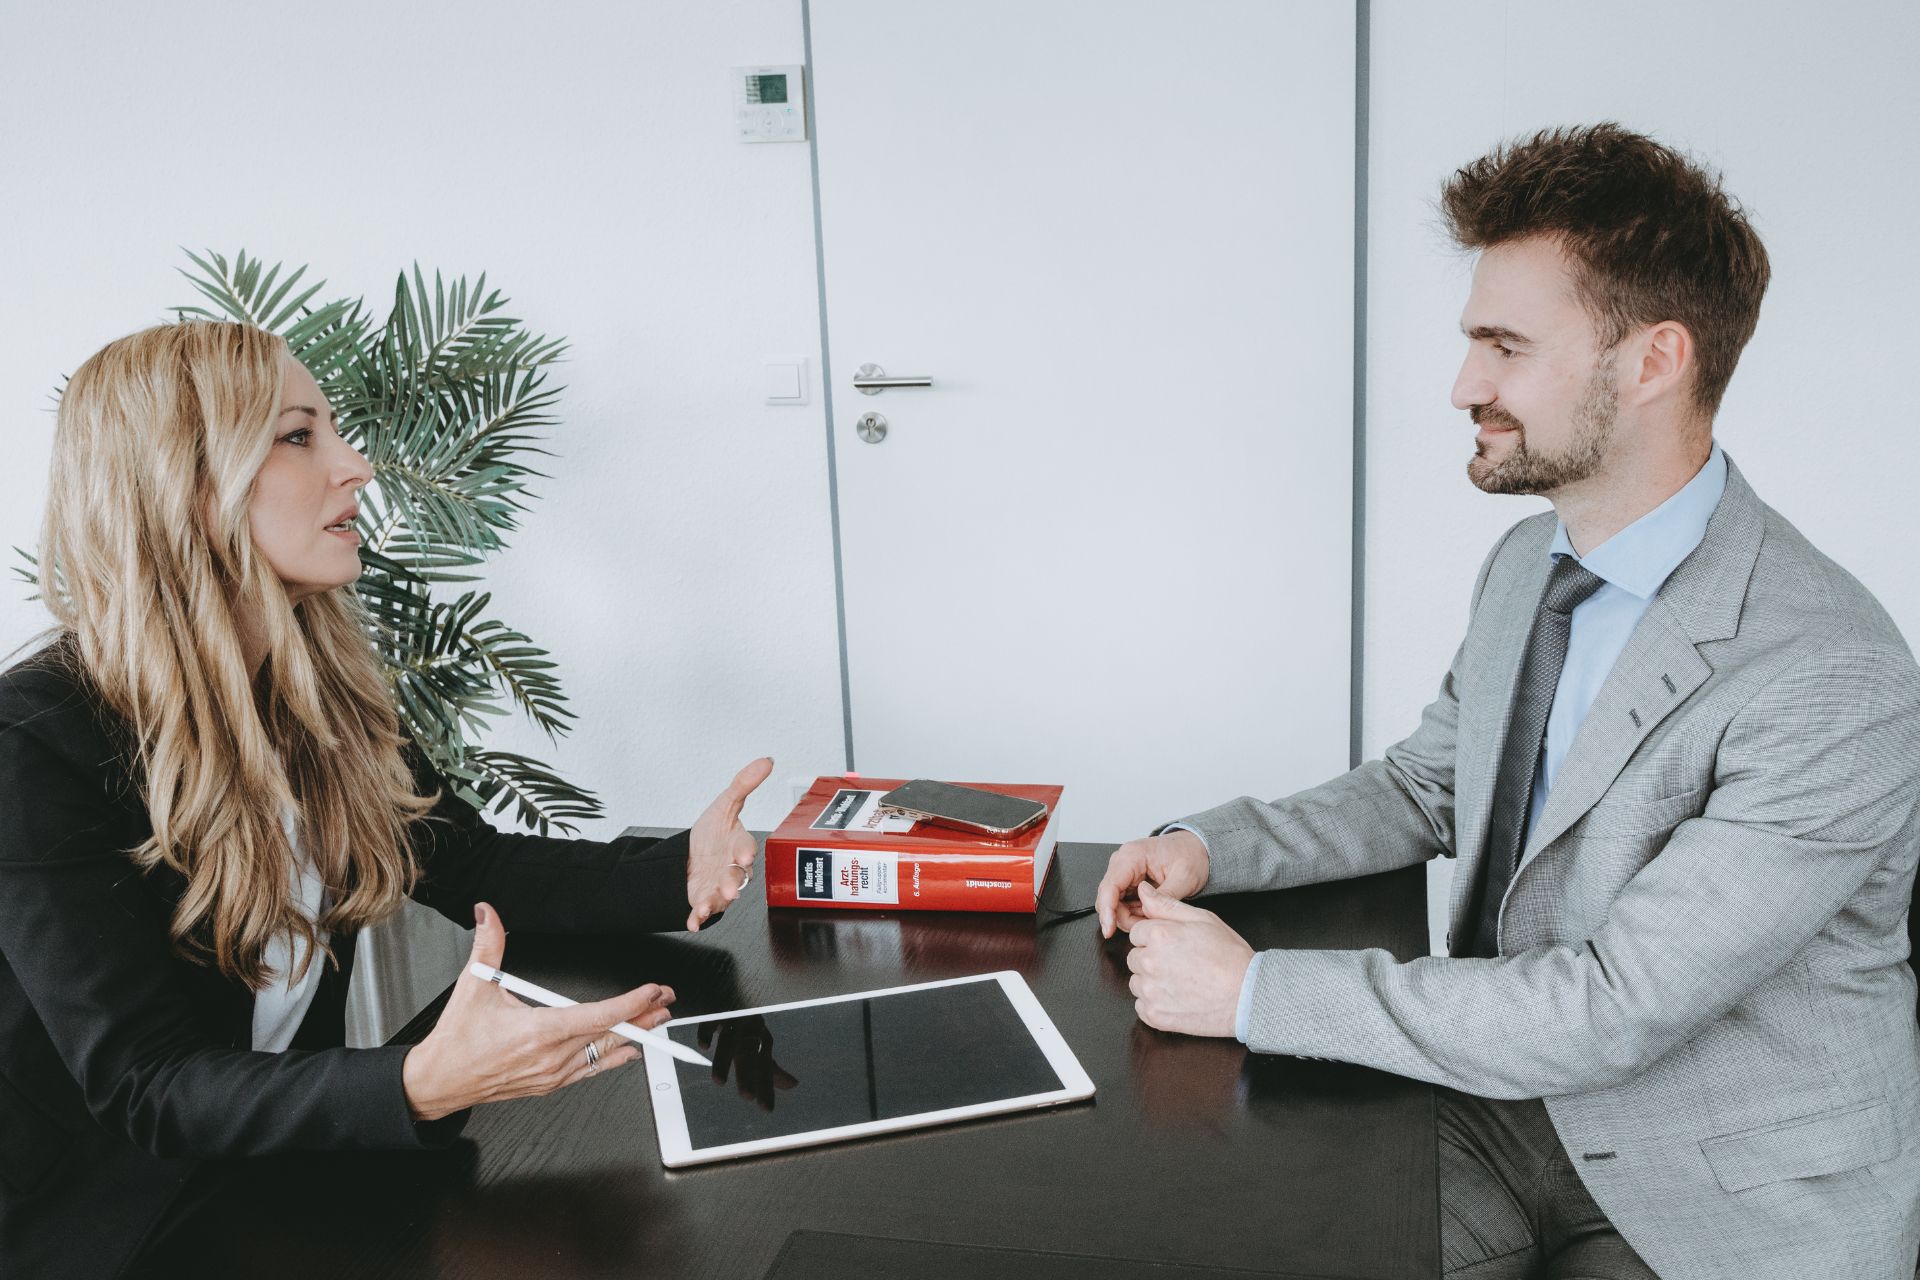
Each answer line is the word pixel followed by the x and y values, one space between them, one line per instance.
pixel 916 943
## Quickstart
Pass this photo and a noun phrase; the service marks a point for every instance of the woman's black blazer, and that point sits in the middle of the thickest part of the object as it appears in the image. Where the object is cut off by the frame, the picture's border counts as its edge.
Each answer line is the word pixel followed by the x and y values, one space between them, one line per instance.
pixel 122 1066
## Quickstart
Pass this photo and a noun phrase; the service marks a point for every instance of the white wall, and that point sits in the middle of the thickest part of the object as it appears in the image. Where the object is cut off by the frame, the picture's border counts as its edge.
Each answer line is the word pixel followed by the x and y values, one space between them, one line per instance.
pixel 680 564
pixel 1811 113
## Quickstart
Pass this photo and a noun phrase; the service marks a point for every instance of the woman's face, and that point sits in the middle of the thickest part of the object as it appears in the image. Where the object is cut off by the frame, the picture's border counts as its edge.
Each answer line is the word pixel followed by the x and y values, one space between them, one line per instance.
pixel 305 499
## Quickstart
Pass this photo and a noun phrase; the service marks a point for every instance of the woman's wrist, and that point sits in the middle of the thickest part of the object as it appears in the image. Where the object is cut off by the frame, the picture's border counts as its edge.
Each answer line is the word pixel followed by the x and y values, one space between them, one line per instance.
pixel 418 1079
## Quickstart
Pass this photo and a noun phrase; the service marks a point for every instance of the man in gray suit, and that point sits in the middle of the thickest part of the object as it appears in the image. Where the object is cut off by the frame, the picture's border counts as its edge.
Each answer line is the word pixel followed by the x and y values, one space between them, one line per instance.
pixel 1678 758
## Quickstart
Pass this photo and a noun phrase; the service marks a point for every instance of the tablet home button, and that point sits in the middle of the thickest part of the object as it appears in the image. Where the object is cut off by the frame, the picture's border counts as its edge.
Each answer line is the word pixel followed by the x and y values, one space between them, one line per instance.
pixel 663 1087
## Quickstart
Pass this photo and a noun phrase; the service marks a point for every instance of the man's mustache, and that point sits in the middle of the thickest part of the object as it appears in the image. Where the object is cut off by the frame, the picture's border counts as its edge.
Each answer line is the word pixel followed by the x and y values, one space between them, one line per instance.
pixel 1484 415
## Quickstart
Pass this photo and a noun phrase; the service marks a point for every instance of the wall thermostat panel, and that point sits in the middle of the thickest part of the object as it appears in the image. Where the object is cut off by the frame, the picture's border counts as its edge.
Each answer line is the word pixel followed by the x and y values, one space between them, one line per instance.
pixel 769 104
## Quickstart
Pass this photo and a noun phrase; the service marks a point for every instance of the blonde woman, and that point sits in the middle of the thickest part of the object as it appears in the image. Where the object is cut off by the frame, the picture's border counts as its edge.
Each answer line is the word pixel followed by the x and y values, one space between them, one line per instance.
pixel 205 792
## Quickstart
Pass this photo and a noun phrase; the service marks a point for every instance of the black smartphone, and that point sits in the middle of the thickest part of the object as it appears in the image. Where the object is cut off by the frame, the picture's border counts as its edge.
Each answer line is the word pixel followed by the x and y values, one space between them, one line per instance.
pixel 966 808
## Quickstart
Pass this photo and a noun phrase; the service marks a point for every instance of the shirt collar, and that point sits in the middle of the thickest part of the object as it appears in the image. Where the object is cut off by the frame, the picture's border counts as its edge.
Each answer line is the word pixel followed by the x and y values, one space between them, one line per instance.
pixel 1639 557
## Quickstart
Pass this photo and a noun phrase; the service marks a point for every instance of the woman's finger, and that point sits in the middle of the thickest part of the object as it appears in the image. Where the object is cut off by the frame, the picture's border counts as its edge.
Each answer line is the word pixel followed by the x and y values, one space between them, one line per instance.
pixel 608 1062
pixel 489 936
pixel 582 1020
pixel 588 1058
pixel 745 782
pixel 727 805
pixel 489 947
pixel 610 1046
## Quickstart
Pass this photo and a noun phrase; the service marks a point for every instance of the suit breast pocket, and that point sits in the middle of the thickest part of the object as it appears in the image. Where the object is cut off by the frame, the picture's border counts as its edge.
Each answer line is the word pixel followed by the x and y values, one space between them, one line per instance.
pixel 1618 817
pixel 30 1143
pixel 1804 1147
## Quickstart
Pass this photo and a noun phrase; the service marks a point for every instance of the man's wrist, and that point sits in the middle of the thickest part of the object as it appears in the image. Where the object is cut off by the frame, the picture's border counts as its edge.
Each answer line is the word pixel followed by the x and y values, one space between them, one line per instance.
pixel 1206 854
pixel 1195 832
pixel 1243 1011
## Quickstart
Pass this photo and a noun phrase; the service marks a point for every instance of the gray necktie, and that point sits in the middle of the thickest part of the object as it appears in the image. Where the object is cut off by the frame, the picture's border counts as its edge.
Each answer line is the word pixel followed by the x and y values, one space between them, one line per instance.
pixel 1568 585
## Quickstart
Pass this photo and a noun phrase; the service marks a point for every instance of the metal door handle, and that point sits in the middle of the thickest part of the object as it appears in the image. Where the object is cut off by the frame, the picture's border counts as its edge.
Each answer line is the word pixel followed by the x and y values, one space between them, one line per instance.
pixel 871 380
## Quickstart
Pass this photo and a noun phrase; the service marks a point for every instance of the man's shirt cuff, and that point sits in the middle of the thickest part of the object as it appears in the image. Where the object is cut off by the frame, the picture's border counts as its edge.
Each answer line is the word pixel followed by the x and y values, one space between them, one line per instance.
pixel 1198 835
pixel 1245 1009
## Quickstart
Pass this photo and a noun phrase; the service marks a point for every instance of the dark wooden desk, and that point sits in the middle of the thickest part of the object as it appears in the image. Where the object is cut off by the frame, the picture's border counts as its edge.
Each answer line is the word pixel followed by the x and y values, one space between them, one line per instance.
pixel 1193 1151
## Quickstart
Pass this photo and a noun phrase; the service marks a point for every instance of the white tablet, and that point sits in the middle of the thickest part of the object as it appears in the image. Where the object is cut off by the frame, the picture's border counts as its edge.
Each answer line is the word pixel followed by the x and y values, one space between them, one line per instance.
pixel 818 1071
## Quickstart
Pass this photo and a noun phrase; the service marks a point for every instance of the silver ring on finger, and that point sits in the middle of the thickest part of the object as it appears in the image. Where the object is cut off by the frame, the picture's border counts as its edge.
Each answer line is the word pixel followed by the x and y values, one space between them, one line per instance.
pixel 746 874
pixel 593 1057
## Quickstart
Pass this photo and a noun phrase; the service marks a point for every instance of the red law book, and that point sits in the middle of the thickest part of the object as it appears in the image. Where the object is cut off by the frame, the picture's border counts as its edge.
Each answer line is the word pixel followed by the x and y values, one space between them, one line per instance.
pixel 839 849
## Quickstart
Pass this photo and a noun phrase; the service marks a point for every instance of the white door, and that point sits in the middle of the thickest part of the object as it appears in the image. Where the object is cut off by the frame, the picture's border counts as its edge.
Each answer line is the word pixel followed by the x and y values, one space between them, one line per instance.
pixel 1110 545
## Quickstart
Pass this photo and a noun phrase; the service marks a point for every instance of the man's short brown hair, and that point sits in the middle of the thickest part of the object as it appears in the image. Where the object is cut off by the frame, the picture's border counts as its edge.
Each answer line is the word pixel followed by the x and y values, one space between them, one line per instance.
pixel 1651 235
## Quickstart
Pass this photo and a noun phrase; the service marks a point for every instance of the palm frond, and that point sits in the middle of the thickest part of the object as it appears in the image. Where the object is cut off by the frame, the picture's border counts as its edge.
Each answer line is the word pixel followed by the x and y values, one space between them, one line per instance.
pixel 514 663
pixel 251 292
pixel 456 330
pixel 432 561
pixel 538 797
pixel 29 572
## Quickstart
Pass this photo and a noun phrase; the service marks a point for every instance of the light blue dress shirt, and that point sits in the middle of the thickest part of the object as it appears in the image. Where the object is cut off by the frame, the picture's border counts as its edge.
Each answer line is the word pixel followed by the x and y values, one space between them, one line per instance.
pixel 1634 562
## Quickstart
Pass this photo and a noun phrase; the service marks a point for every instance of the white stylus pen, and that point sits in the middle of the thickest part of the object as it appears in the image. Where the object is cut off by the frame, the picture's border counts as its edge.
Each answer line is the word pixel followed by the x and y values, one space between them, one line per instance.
pixel 553 1000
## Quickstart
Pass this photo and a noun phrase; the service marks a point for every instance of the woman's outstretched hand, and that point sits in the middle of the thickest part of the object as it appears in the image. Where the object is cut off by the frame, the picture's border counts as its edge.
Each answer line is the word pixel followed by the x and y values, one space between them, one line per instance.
pixel 488 1046
pixel 718 844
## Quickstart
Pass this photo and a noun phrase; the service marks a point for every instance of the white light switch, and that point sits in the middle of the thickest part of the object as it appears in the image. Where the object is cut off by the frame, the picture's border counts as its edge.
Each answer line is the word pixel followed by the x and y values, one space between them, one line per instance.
pixel 785 379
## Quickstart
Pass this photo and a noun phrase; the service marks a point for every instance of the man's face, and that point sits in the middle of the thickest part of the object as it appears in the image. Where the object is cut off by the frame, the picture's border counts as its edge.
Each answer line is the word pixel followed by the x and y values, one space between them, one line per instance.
pixel 1535 379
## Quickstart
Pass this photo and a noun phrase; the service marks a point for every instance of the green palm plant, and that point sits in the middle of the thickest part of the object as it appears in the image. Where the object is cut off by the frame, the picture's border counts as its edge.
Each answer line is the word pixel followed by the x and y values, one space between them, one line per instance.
pixel 447 400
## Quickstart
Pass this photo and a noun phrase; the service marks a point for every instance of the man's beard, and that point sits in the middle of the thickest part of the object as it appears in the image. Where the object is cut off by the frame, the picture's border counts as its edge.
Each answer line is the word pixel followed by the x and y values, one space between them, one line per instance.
pixel 1526 471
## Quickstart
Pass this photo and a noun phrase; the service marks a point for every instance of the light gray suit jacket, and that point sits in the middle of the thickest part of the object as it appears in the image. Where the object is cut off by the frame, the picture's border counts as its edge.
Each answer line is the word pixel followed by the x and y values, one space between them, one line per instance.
pixel 1703 954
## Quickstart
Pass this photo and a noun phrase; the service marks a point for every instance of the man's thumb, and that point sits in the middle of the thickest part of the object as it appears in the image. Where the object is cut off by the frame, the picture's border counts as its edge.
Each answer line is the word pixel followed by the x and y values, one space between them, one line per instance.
pixel 1156 905
pixel 489 938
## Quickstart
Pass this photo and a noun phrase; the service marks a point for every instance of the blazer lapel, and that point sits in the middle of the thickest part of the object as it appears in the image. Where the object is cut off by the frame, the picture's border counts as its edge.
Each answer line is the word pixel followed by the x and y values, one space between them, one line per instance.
pixel 1654 674
pixel 1661 665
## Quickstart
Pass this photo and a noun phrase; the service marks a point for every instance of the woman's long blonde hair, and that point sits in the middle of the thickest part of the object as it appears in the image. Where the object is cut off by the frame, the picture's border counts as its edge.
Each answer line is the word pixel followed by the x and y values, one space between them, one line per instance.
pixel 147 562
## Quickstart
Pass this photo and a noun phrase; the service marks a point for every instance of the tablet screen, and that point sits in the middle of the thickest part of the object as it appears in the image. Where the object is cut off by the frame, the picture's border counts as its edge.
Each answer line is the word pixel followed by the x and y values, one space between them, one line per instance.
pixel 821 1066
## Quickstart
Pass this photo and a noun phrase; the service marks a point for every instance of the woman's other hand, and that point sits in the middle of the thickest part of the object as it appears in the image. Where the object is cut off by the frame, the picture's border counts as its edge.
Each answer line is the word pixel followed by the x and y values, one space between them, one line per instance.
pixel 718 844
pixel 488 1047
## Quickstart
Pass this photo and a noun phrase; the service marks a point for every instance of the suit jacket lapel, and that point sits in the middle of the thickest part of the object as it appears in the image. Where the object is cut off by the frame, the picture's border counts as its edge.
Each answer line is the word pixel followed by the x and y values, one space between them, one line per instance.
pixel 1654 674
pixel 1661 665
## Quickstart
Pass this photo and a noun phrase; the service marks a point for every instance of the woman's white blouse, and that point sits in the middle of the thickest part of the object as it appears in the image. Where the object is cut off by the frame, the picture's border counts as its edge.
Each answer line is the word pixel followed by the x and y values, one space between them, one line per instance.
pixel 279 1009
